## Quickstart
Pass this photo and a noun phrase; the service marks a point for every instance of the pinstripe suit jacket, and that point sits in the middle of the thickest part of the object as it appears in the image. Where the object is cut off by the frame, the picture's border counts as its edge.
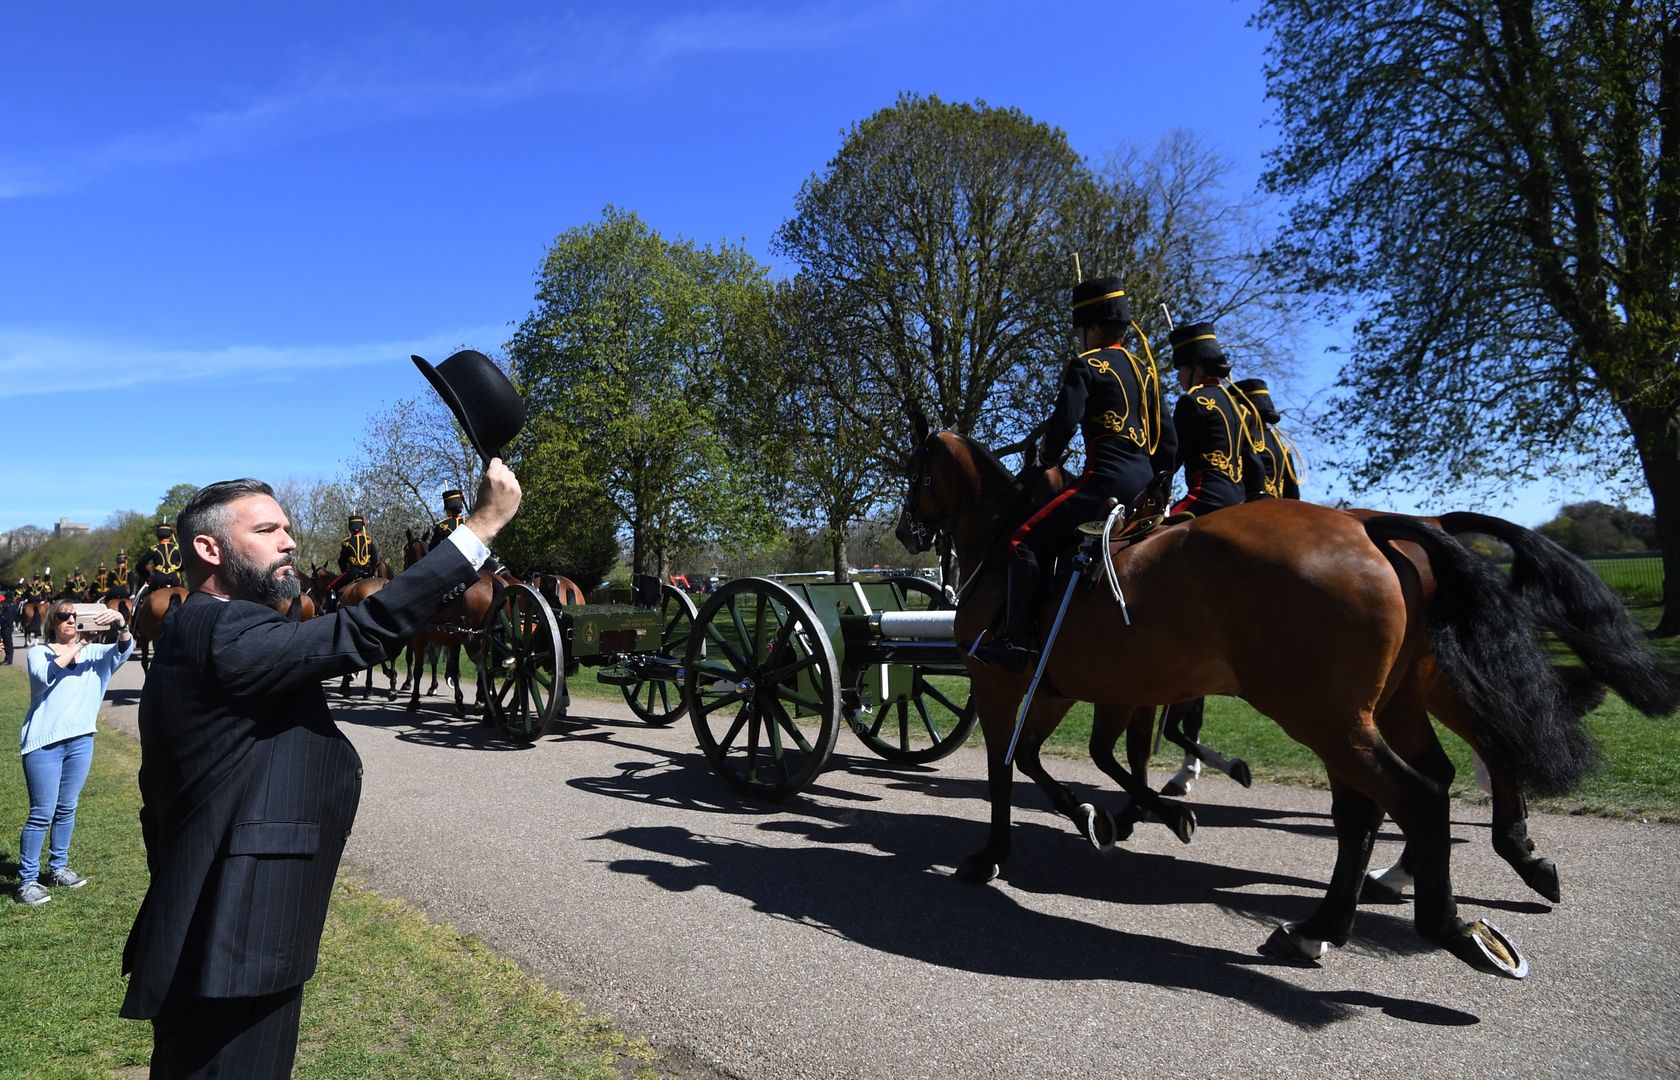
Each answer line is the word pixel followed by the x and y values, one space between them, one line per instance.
pixel 250 789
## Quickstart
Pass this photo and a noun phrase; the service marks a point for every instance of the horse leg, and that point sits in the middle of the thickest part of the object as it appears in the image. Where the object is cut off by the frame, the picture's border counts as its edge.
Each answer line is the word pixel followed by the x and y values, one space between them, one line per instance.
pixel 997 723
pixel 434 652
pixel 1404 725
pixel 1096 825
pixel 1510 840
pixel 1172 719
pixel 453 674
pixel 416 651
pixel 1357 817
pixel 1106 722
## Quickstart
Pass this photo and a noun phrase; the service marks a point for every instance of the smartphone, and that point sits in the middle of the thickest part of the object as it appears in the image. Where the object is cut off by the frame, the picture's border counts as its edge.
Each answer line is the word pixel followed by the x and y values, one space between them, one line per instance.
pixel 85 614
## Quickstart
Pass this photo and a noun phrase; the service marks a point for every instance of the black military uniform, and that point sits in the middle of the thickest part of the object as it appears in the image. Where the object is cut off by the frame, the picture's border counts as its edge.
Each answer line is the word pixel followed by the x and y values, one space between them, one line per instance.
pixel 8 617
pixel 120 586
pixel 455 515
pixel 1217 431
pixel 358 555
pixel 78 584
pixel 161 566
pixel 1114 398
pixel 1277 453
pixel 39 589
pixel 102 582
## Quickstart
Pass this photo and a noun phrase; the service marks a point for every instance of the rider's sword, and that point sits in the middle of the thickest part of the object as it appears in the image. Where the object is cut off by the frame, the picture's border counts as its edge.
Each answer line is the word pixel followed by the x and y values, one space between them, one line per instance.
pixel 1079 563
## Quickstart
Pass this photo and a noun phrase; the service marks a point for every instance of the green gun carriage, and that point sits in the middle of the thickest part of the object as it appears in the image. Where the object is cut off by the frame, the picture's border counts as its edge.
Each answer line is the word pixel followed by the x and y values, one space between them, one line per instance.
pixel 767 671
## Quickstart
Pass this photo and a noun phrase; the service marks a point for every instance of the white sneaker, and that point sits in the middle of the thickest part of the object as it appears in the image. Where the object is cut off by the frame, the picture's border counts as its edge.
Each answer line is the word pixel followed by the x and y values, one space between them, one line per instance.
pixel 31 893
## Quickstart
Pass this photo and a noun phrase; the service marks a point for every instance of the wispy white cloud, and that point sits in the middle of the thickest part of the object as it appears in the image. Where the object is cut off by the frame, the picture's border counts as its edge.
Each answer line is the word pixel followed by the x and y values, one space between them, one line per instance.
pixel 36 363
pixel 399 76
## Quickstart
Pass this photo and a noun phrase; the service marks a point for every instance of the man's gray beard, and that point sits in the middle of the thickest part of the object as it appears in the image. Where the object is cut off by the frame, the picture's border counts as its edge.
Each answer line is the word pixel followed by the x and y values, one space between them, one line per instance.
pixel 248 581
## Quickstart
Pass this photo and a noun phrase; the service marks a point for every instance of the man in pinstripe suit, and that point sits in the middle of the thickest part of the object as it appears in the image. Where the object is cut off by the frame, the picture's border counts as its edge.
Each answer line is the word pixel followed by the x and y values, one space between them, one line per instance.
pixel 250 789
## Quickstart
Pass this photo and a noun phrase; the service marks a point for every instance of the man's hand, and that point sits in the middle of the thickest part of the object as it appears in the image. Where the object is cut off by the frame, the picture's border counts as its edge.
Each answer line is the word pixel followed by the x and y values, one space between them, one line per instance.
pixel 497 502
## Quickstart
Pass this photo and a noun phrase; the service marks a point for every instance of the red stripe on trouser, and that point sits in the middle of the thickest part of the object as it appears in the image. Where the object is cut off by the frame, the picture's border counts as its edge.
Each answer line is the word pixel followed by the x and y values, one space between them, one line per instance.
pixel 1190 498
pixel 1020 536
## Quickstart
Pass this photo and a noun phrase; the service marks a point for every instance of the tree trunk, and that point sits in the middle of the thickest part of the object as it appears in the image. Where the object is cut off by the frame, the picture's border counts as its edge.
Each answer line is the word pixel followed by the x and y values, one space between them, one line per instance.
pixel 1658 438
pixel 837 538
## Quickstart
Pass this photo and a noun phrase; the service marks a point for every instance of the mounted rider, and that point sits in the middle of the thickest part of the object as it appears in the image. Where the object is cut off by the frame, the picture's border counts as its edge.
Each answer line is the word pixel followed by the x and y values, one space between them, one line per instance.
pixel 1217 428
pixel 454 516
pixel 358 555
pixel 77 584
pixel 102 580
pixel 161 565
pixel 121 576
pixel 1113 397
pixel 1277 453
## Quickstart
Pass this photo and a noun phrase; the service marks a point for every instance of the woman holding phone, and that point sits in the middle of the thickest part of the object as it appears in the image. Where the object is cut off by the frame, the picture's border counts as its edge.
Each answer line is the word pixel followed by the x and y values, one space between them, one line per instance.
pixel 67 678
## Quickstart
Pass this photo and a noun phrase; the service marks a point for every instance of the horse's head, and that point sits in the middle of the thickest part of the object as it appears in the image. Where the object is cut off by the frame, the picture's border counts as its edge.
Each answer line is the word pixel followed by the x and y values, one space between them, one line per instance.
pixel 414 550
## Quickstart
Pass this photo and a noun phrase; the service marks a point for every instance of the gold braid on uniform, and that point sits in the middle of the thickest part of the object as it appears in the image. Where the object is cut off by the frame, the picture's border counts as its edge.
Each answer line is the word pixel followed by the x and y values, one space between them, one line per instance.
pixel 1151 425
pixel 1228 465
pixel 1247 411
pixel 358 546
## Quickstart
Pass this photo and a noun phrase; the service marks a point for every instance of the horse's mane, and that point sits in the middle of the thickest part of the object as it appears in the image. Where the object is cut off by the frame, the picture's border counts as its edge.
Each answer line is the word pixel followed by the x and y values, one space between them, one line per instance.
pixel 989 463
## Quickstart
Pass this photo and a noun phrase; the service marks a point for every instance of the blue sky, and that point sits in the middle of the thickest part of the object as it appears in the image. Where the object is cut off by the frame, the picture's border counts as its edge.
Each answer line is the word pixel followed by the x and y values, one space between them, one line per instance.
pixel 223 228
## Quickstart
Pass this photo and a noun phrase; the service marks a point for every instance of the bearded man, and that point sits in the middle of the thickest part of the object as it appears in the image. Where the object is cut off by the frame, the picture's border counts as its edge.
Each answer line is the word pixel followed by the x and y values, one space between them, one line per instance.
pixel 249 788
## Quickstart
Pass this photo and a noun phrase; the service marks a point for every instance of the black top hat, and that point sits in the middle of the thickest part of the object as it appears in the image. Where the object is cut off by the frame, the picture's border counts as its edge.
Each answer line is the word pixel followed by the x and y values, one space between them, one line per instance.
pixel 1100 300
pixel 164 529
pixel 1195 343
pixel 357 519
pixel 454 494
pixel 1256 391
pixel 480 396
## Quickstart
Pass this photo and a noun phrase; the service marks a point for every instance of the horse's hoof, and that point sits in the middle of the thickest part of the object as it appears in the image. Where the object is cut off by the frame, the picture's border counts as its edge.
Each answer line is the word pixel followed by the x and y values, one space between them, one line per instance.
pixel 1175 788
pixel 1239 772
pixel 1182 821
pixel 1541 875
pixel 1377 891
pixel 1130 816
pixel 1485 947
pixel 978 869
pixel 1099 827
pixel 1286 943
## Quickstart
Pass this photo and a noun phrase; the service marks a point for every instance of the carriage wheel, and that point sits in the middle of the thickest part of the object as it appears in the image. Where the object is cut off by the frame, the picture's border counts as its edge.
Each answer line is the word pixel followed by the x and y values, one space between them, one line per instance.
pixel 660 702
pixel 522 664
pixel 758 662
pixel 933 716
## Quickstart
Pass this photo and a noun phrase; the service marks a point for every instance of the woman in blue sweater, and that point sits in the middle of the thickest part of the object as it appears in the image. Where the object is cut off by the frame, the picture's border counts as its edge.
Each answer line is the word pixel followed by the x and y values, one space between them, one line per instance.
pixel 67 679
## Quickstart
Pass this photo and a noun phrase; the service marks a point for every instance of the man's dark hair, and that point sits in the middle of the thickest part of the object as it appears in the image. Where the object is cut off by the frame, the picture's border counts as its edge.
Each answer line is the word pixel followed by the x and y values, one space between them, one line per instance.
pixel 206 514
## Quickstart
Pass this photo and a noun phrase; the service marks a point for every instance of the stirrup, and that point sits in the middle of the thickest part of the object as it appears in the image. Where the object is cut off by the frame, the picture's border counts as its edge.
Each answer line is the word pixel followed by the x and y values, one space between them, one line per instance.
pixel 1001 652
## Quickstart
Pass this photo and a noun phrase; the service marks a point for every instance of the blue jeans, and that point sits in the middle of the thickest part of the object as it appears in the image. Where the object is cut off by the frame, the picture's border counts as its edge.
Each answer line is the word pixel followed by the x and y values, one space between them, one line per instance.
pixel 55 775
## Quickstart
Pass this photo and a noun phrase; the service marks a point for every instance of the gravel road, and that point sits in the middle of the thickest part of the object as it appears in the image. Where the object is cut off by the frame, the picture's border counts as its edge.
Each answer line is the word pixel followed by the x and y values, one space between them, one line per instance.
pixel 825 937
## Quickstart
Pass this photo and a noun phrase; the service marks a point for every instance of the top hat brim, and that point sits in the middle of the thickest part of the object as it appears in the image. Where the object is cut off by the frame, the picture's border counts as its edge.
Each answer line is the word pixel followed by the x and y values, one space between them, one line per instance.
pixel 453 400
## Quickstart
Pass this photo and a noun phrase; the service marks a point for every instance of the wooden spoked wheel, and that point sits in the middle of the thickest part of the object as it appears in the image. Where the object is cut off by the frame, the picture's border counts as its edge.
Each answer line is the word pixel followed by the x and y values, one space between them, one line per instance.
pixel 759 680
pixel 926 716
pixel 661 702
pixel 523 664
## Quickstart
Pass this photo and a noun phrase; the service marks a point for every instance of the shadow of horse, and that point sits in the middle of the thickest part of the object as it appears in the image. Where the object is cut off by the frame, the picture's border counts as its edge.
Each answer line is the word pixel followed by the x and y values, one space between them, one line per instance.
pixel 903 903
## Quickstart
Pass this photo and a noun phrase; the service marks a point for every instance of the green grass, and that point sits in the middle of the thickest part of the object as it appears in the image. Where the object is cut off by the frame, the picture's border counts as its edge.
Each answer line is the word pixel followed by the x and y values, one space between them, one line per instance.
pixel 395 997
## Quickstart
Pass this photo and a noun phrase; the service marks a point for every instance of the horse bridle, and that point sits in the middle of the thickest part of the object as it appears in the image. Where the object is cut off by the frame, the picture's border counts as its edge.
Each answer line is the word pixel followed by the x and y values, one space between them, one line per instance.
pixel 925 533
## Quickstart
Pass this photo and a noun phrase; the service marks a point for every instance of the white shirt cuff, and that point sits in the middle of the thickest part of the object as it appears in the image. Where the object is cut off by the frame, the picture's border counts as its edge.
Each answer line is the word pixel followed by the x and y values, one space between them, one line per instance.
pixel 468 543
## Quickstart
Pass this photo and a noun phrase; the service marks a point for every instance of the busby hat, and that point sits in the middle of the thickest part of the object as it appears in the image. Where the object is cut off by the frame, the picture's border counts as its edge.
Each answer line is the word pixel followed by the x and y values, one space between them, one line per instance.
pixel 1195 343
pixel 481 397
pixel 454 495
pixel 1100 300
pixel 357 519
pixel 1256 391
pixel 164 529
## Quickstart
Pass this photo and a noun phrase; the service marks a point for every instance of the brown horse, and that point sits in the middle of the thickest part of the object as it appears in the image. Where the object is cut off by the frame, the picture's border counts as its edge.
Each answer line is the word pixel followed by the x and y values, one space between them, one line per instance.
pixel 349 596
pixel 459 625
pixel 1294 608
pixel 153 607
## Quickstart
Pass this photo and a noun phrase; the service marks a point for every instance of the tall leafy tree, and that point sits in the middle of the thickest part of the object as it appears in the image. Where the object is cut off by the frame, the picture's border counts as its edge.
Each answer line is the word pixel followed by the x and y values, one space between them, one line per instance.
pixel 1494 186
pixel 620 365
pixel 938 238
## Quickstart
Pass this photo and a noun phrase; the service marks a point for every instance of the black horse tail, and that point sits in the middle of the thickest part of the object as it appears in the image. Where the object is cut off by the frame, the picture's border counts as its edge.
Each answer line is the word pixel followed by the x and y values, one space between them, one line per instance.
pixel 1529 722
pixel 1573 602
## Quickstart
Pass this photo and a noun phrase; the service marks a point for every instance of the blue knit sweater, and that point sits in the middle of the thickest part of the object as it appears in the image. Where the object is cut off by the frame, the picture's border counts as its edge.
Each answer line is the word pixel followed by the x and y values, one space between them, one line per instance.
pixel 64 702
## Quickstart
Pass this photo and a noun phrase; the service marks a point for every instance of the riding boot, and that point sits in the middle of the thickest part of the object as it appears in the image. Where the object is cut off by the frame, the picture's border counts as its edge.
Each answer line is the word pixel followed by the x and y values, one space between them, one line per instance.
pixel 1018 646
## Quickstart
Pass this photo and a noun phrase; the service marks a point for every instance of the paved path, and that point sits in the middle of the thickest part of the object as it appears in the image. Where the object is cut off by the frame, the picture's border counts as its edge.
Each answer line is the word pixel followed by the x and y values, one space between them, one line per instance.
pixel 826 938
